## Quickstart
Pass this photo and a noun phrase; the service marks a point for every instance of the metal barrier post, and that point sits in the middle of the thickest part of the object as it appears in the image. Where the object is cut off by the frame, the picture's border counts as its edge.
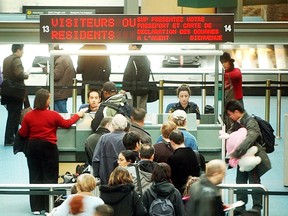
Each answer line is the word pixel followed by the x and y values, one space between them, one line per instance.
pixel 278 117
pixel 161 96
pixel 86 92
pixel 267 100
pixel 231 200
pixel 51 200
pixel 74 96
pixel 203 93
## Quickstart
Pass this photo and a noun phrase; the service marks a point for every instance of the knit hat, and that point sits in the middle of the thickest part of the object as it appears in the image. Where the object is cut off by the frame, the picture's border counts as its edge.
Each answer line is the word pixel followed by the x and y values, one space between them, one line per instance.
pixel 226 57
pixel 109 86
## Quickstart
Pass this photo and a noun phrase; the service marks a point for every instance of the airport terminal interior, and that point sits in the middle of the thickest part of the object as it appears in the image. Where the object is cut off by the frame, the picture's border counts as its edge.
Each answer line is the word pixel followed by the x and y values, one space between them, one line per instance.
pixel 260 50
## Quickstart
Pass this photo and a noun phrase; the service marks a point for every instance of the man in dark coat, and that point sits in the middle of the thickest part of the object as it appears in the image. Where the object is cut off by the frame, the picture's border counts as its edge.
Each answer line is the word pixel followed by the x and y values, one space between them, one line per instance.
pixel 137 119
pixel 92 140
pixel 240 118
pixel 13 72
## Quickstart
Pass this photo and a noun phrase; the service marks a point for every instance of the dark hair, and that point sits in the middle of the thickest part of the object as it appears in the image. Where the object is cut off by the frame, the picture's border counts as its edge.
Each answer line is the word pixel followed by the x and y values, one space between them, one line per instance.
pixel 146 151
pixel 176 136
pixel 104 210
pixel 41 97
pixel 183 87
pixel 234 105
pixel 15 47
pixel 129 155
pixel 130 140
pixel 94 90
pixel 105 120
pixel 138 114
pixel 161 172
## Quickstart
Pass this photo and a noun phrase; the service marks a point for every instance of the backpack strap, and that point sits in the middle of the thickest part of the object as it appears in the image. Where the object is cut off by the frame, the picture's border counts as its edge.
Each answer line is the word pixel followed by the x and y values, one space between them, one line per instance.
pixel 136 165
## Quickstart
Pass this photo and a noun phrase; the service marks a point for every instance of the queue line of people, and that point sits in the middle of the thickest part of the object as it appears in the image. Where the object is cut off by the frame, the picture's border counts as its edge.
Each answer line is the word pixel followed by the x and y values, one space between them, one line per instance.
pixel 40 172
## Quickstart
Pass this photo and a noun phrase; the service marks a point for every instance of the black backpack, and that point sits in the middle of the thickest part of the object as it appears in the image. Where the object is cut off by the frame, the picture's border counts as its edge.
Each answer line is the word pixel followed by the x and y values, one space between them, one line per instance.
pixel 161 206
pixel 267 132
pixel 123 108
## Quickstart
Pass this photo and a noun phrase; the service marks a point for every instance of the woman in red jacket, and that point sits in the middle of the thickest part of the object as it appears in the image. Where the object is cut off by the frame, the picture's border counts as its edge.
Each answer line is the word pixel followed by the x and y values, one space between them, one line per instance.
pixel 40 126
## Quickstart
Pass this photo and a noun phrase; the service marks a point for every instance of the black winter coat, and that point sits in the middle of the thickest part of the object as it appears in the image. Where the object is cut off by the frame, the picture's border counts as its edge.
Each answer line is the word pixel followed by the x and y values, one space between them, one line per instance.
pixel 124 200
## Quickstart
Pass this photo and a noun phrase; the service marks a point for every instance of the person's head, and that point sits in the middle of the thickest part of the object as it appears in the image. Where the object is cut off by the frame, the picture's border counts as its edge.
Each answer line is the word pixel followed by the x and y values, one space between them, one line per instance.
pixel 176 138
pixel 119 122
pixel 161 173
pixel 135 46
pixel 234 109
pixel 42 99
pixel 146 152
pixel 17 49
pixel 190 180
pixel 109 89
pixel 94 99
pixel 126 157
pixel 86 183
pixel 179 118
pixel 227 62
pixel 131 140
pixel 183 93
pixel 167 128
pixel 215 171
pixel 120 176
pixel 104 210
pixel 138 115
pixel 106 122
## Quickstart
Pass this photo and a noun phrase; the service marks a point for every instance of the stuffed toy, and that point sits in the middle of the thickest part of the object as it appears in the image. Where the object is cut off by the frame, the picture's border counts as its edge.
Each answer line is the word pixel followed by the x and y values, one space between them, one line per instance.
pixel 248 161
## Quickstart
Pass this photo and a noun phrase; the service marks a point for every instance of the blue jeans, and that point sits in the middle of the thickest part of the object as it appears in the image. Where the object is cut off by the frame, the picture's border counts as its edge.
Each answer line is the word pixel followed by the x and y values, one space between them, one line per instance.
pixel 60 106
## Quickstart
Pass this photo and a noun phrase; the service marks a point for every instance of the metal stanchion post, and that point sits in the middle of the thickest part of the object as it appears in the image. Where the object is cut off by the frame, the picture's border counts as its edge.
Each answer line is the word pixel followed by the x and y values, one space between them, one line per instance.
pixel 267 100
pixel 74 96
pixel 203 92
pixel 278 119
pixel 86 92
pixel 161 96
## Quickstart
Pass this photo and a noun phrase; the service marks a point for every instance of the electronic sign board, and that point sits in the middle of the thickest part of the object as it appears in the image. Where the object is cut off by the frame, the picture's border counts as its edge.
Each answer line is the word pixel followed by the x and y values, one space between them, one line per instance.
pixel 211 28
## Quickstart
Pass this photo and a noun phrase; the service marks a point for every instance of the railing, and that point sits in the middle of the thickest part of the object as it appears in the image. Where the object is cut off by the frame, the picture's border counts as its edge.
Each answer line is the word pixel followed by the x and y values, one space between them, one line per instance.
pixel 37 189
pixel 232 187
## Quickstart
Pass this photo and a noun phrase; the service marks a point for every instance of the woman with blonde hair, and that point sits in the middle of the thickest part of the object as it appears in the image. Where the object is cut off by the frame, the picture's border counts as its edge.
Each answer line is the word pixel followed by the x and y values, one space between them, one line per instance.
pixel 83 202
pixel 120 194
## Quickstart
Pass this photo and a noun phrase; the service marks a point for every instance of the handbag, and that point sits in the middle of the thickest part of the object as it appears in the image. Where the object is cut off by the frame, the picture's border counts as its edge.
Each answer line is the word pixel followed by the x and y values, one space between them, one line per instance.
pixel 13 89
pixel 27 108
pixel 153 94
pixel 229 93
pixel 20 144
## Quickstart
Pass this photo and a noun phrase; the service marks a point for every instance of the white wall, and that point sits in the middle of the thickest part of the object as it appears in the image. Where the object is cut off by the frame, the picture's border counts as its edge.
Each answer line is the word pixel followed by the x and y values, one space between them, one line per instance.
pixel 15 6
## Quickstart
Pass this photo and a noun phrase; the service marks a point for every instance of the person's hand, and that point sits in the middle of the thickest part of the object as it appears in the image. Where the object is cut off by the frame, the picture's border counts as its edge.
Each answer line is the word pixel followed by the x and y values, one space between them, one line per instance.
pixel 81 112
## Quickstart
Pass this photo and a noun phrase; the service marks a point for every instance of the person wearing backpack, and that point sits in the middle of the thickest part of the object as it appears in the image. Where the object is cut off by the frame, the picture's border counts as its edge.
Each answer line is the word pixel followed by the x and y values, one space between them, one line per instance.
pixel 113 103
pixel 162 198
pixel 240 118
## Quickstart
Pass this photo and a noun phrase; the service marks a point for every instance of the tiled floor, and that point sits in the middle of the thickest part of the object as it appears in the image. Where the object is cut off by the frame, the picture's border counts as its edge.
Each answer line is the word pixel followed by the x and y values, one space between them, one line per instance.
pixel 14 167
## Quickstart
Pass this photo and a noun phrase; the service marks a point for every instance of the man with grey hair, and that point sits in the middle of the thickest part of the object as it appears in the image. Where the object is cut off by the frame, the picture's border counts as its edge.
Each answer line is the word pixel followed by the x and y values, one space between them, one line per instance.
pixel 107 149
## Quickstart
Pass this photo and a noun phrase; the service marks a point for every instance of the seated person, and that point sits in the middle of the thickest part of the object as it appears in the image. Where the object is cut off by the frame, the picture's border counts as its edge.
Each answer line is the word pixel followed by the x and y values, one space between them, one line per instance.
pixel 94 99
pixel 183 93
